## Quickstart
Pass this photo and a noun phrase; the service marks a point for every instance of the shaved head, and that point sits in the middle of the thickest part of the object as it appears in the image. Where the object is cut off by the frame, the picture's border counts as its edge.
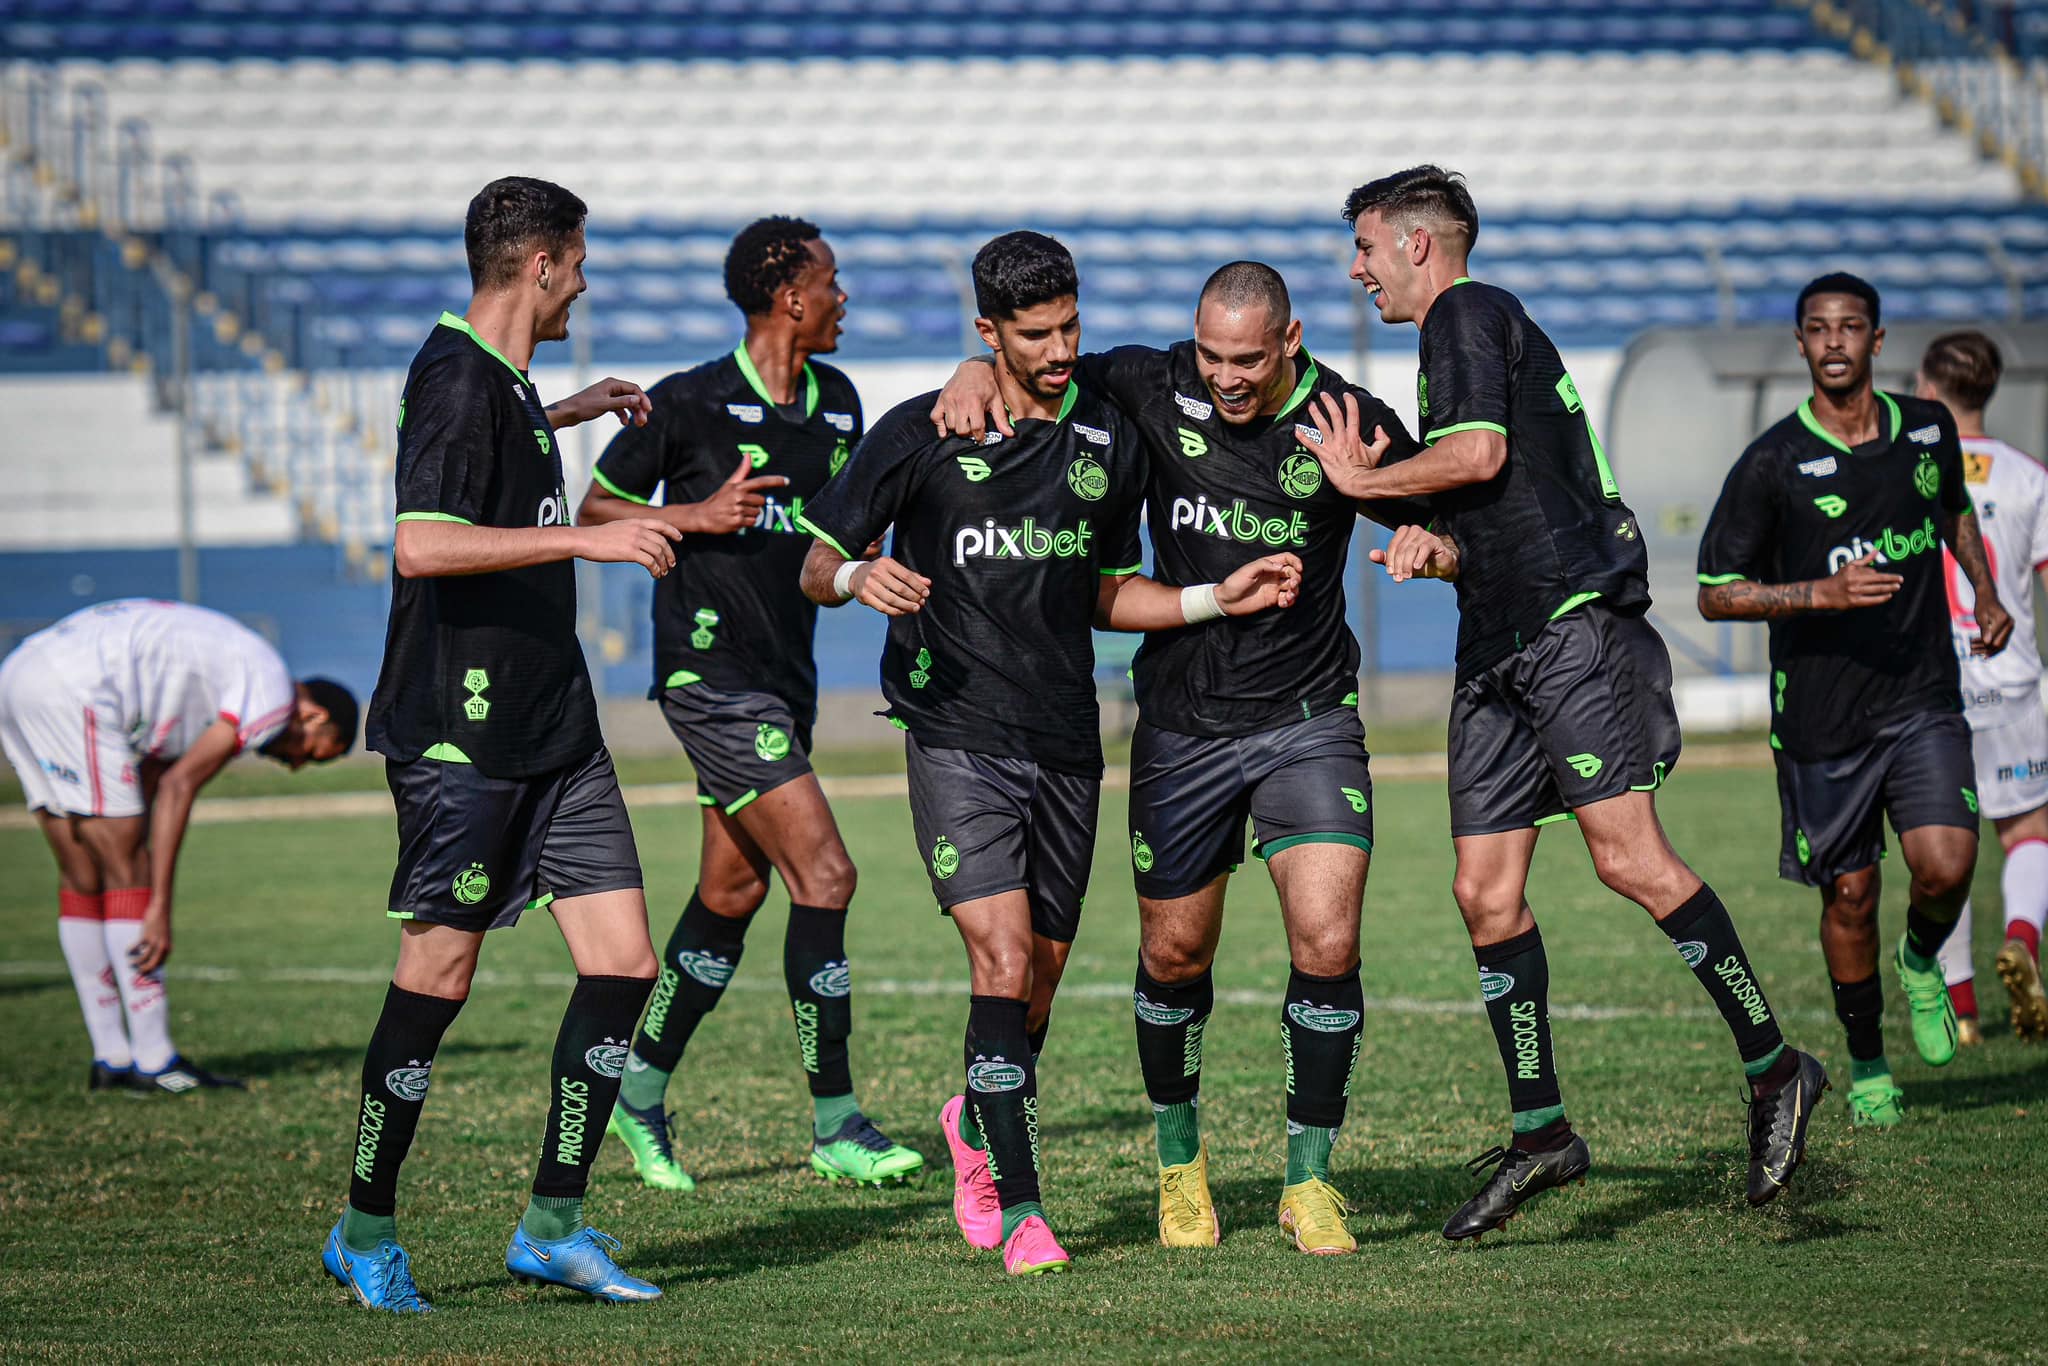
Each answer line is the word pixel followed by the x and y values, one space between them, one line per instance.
pixel 1245 286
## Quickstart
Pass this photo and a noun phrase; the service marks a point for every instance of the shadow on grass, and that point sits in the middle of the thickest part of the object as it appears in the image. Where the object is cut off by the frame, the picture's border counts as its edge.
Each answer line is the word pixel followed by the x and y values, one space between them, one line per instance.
pixel 796 1235
pixel 31 986
pixel 285 1062
pixel 1951 1092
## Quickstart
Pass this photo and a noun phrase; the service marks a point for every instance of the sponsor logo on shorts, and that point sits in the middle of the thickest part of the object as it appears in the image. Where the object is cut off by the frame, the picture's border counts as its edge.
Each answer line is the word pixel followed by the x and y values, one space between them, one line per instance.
pixel 1801 847
pixel 1322 1019
pixel 1356 798
pixel 996 1076
pixel 1970 800
pixel 1152 1013
pixel 1194 407
pixel 1494 985
pixel 771 743
pixel 607 1059
pixel 1301 474
pixel 60 772
pixel 1141 852
pixel 2021 771
pixel 834 979
pixel 1693 952
pixel 945 859
pixel 1087 479
pixel 410 1081
pixel 472 884
pixel 1585 765
pixel 707 968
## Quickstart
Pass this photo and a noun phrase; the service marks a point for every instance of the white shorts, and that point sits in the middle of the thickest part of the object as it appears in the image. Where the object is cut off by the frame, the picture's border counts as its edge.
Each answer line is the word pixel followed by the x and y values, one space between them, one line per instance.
pixel 65 743
pixel 2012 761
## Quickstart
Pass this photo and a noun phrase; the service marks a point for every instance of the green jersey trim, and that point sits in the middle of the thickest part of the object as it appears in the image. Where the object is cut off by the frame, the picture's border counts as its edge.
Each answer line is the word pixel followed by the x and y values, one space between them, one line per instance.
pixel 1456 427
pixel 1812 423
pixel 445 753
pixel 1576 600
pixel 461 324
pixel 1309 375
pixel 434 517
pixel 1723 578
pixel 808 525
pixel 1115 573
pixel 753 378
pixel 615 491
pixel 1461 280
pixel 682 678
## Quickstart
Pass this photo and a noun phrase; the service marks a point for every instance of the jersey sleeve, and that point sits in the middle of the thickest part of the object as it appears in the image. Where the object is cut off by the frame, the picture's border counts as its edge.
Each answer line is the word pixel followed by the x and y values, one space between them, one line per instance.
pixel 1466 380
pixel 862 501
pixel 1123 546
pixel 1390 512
pixel 1743 528
pixel 640 459
pixel 248 686
pixel 447 447
pixel 1126 376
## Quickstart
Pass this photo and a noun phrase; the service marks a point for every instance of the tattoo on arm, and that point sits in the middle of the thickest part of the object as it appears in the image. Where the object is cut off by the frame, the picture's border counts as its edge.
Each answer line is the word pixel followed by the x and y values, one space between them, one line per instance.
pixel 1743 600
pixel 1966 542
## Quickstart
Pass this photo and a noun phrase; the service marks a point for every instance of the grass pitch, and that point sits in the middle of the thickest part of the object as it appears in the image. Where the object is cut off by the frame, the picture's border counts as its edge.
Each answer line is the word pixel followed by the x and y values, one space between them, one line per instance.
pixel 135 1228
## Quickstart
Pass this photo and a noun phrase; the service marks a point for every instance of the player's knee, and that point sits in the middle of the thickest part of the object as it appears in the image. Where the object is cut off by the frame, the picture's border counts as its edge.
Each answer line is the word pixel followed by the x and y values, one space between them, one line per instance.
pixel 1942 880
pixel 1326 953
pixel 1852 899
pixel 1170 961
pixel 827 879
pixel 1645 876
pixel 1002 970
pixel 734 896
pixel 1484 901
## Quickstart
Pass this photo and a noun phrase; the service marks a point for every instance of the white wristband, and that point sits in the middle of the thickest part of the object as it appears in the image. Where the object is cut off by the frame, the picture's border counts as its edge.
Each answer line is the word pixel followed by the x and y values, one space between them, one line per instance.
pixel 842 579
pixel 1198 603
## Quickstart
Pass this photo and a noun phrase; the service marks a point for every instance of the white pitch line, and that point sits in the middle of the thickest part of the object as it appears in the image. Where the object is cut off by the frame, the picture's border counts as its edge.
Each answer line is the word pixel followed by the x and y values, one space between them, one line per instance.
pixel 889 986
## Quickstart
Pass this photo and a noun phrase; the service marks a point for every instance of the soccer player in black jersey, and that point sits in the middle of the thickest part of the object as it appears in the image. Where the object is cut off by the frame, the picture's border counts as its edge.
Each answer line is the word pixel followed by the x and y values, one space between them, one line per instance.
pixel 1253 718
pixel 1831 527
pixel 738 447
pixel 1562 705
pixel 506 797
pixel 1005 552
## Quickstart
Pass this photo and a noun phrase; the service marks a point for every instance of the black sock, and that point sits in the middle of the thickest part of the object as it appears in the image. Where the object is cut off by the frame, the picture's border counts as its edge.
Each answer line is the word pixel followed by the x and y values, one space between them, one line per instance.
pixel 396 1068
pixel 820 995
pixel 590 1053
pixel 1706 940
pixel 1860 1008
pixel 1002 1091
pixel 1924 934
pixel 1321 1027
pixel 1514 978
pixel 1170 1024
pixel 1036 1038
pixel 695 968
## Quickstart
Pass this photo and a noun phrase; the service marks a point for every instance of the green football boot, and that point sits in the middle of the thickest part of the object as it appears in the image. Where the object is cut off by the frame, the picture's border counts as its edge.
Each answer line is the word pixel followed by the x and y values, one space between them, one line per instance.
pixel 1875 1103
pixel 864 1155
pixel 645 1134
pixel 1934 1015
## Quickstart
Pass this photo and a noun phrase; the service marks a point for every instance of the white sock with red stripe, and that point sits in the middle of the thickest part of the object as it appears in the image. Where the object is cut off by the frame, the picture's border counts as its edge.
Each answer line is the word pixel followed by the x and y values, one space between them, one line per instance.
pixel 1956 968
pixel 143 997
pixel 2025 885
pixel 80 929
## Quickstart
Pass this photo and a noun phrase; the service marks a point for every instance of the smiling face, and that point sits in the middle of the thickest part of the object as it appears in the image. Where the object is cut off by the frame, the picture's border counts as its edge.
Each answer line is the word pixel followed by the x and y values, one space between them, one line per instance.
pixel 1386 263
pixel 564 276
pixel 1247 363
pixel 1838 342
pixel 1039 346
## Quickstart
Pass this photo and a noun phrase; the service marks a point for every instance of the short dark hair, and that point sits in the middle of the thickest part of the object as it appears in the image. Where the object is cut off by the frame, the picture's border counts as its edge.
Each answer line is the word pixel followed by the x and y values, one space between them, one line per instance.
pixel 766 257
pixel 510 217
pixel 1964 368
pixel 1839 282
pixel 1243 284
pixel 340 705
pixel 1021 270
pixel 1421 196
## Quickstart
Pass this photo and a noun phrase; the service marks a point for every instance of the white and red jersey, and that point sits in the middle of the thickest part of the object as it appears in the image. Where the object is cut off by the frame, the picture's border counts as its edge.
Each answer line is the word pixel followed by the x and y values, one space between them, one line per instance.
pixel 2009 490
pixel 170 670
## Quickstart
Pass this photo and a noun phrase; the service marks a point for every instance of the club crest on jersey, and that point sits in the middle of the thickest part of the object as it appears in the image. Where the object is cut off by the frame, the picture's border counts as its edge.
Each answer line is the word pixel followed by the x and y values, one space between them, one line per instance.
pixel 1094 434
pixel 1301 474
pixel 1087 479
pixel 746 412
pixel 840 421
pixel 1194 407
pixel 1925 436
pixel 1927 478
pixel 1819 469
pixel 1303 432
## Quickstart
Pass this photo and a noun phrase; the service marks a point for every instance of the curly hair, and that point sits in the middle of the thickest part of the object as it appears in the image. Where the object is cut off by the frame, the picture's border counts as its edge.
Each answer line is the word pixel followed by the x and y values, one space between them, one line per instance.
pixel 766 257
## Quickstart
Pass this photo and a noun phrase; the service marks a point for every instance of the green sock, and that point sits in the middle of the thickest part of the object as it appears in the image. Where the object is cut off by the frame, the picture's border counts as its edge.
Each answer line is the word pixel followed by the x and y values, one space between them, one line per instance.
pixel 1179 1133
pixel 1308 1153
pixel 552 1218
pixel 362 1232
pixel 1863 1069
pixel 830 1113
pixel 1014 1215
pixel 645 1088
pixel 1763 1064
pixel 969 1134
pixel 1528 1121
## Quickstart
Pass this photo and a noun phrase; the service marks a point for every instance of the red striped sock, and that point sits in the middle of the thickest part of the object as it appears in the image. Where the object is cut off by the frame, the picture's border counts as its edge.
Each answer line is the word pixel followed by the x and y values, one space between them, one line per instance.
pixel 1964 995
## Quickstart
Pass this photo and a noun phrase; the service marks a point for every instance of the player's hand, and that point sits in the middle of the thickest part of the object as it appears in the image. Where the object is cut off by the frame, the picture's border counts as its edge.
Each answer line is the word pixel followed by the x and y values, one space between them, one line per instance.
pixel 1272 581
pixel 1415 553
pixel 1857 584
pixel 885 585
pixel 970 403
pixel 1994 627
pixel 738 502
pixel 1346 455
pixel 636 540
pixel 620 396
pixel 153 949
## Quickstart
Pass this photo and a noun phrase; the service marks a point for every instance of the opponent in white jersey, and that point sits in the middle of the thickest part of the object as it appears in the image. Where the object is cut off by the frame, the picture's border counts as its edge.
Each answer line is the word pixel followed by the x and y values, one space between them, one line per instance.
pixel 114 718
pixel 2001 694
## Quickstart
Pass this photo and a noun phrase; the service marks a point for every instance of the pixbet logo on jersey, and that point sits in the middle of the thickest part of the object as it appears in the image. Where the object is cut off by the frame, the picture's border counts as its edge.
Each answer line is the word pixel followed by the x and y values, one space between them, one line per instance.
pixel 1028 541
pixel 1238 522
pixel 1890 547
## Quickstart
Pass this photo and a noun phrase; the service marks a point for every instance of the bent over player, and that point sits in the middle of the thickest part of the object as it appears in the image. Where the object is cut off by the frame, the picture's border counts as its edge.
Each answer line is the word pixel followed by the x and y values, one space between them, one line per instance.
pixel 1005 552
pixel 1562 708
pixel 113 719
pixel 740 446
pixel 507 800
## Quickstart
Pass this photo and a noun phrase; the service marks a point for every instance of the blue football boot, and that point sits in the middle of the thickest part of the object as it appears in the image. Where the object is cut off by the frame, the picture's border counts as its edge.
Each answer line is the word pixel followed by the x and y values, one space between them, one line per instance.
pixel 582 1261
pixel 379 1279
